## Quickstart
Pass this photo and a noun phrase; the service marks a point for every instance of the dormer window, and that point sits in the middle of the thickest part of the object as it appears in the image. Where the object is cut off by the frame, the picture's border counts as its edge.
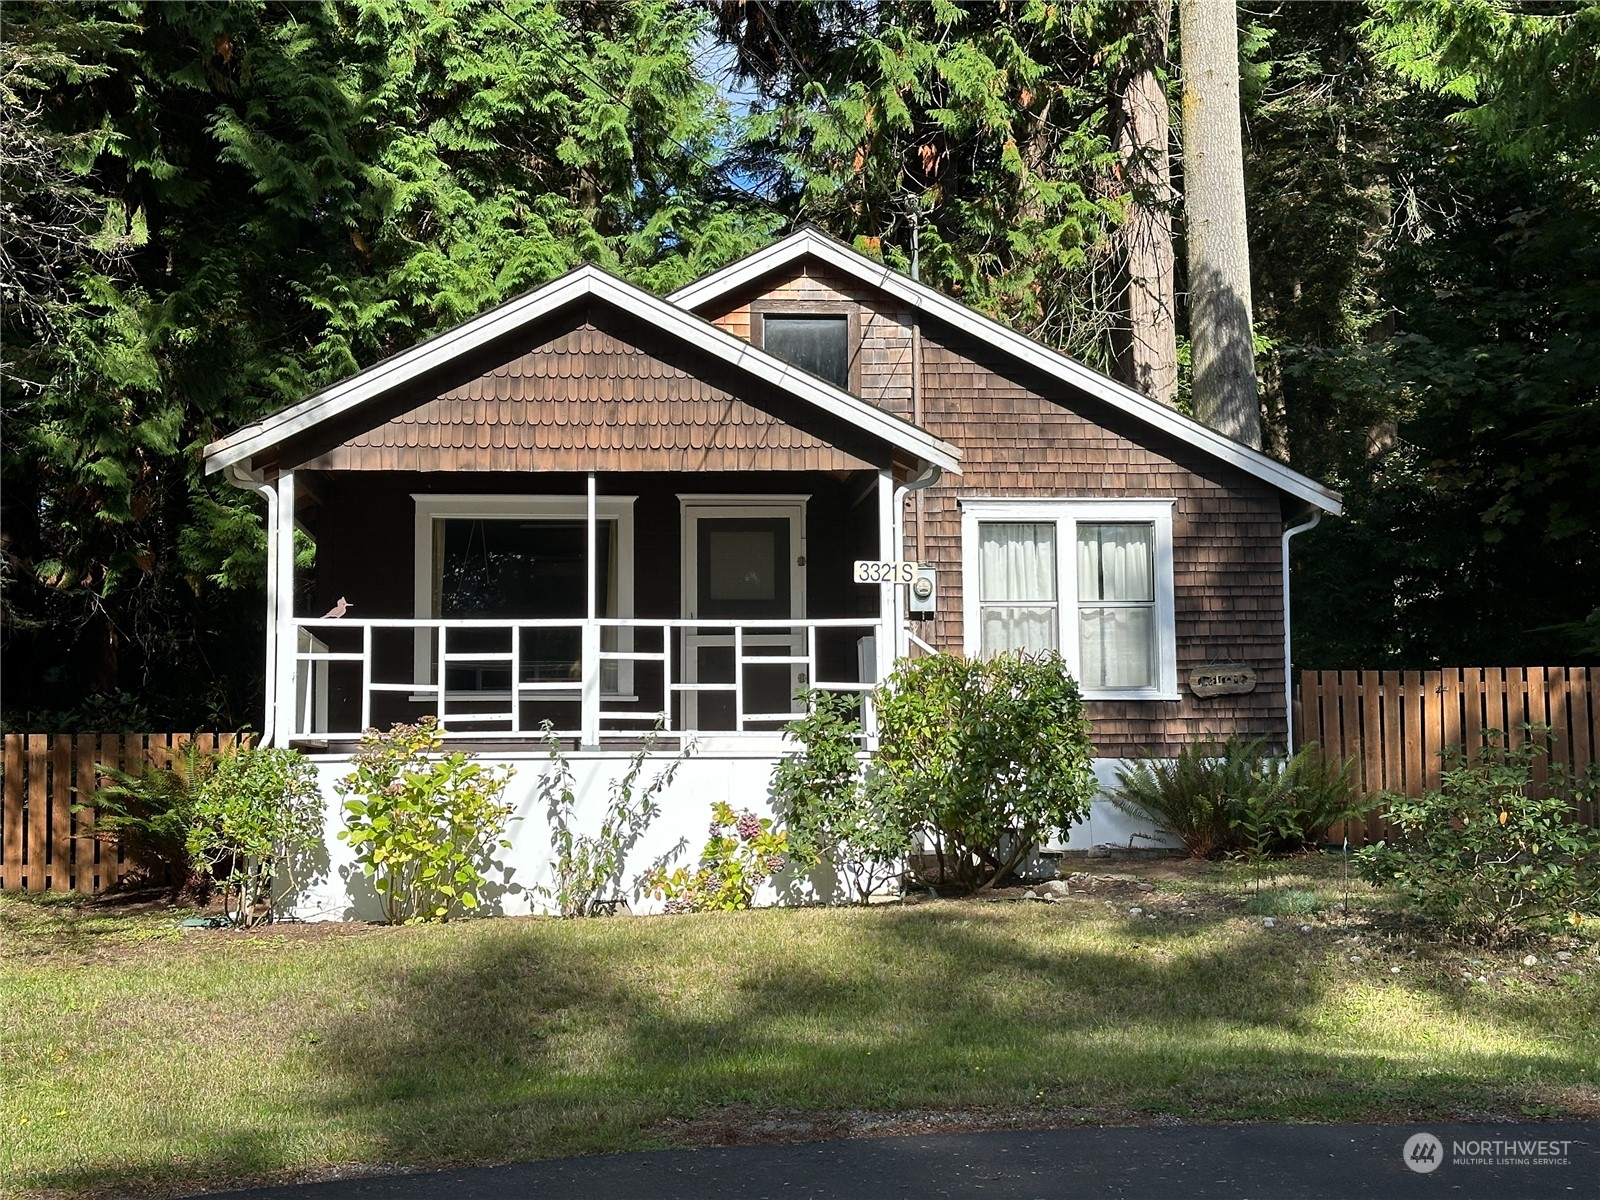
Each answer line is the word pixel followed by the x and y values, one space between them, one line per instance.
pixel 816 344
pixel 820 338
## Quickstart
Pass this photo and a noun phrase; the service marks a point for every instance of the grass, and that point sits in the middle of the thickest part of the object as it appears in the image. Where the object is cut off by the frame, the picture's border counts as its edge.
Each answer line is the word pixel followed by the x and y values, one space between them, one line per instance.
pixel 135 1055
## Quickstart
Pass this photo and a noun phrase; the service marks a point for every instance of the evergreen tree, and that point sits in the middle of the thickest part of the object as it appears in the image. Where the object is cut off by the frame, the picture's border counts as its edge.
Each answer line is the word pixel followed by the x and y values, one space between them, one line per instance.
pixel 313 187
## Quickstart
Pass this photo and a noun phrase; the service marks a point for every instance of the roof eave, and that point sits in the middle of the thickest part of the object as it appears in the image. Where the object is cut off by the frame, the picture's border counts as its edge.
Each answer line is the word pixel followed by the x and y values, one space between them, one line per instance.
pixel 808 241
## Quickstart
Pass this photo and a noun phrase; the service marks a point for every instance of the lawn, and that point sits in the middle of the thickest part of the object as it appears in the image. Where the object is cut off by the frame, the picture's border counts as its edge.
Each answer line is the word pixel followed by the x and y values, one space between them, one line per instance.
pixel 136 1054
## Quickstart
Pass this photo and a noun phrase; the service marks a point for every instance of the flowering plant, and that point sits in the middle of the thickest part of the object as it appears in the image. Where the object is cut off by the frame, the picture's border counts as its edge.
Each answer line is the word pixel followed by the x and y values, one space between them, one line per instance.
pixel 421 822
pixel 743 852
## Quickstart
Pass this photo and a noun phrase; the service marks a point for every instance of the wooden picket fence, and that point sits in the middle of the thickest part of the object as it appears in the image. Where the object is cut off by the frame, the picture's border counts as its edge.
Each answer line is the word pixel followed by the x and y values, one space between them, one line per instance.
pixel 44 845
pixel 1396 724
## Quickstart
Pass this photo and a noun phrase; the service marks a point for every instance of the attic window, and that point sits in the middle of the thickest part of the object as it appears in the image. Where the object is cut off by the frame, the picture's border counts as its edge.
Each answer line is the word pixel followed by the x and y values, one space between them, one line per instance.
pixel 818 344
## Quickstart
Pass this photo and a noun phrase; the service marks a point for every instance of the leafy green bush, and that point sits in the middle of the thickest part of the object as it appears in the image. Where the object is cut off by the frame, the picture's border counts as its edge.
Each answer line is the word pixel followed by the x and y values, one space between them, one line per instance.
pixel 831 812
pixel 983 758
pixel 150 811
pixel 587 866
pixel 253 814
pixel 421 822
pixel 1486 860
pixel 1233 797
pixel 743 853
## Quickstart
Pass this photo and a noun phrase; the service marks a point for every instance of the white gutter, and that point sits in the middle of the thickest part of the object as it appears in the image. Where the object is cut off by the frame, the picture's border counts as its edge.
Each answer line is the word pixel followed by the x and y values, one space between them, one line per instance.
pixel 930 476
pixel 240 478
pixel 1288 681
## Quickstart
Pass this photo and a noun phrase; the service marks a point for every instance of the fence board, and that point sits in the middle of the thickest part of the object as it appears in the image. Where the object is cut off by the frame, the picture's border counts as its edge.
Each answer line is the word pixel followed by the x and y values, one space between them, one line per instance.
pixel 44 845
pixel 11 817
pixel 1394 724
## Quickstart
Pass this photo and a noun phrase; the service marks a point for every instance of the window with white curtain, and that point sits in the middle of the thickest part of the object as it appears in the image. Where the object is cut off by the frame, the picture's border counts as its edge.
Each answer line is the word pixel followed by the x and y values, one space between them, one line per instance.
pixel 1092 579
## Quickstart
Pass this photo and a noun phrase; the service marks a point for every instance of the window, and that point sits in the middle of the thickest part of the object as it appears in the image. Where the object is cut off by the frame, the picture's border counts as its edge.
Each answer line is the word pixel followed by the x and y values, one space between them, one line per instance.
pixel 1092 579
pixel 816 344
pixel 820 337
pixel 487 557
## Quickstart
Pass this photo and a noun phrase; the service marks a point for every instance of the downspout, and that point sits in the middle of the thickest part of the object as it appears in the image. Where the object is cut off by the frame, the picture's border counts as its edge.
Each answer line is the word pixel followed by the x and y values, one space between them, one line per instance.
pixel 1288 681
pixel 931 475
pixel 240 478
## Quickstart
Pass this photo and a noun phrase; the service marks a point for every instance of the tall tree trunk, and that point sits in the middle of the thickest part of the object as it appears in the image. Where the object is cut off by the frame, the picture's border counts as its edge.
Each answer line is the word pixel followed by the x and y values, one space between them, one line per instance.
pixel 1214 222
pixel 1147 348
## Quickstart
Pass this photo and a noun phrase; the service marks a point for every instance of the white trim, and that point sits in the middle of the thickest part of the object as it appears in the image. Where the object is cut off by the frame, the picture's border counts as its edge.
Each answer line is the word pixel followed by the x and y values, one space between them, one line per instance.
pixel 431 507
pixel 585 283
pixel 808 242
pixel 1065 513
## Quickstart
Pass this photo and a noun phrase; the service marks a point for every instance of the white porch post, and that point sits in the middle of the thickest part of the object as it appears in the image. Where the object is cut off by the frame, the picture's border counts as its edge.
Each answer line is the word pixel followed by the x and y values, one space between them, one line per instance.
pixel 888 593
pixel 287 722
pixel 591 635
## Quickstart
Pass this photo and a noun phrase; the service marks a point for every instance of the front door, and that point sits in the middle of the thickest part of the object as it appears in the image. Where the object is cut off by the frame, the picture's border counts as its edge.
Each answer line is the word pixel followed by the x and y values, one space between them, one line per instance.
pixel 744 561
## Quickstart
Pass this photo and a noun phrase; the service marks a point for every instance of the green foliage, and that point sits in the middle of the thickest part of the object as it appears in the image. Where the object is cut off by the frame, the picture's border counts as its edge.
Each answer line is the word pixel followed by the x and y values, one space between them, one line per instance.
pixel 588 866
pixel 831 812
pixel 1486 856
pixel 983 758
pixel 150 810
pixel 424 824
pixel 298 191
pixel 743 852
pixel 981 126
pixel 1425 230
pixel 1234 797
pixel 1283 902
pixel 256 812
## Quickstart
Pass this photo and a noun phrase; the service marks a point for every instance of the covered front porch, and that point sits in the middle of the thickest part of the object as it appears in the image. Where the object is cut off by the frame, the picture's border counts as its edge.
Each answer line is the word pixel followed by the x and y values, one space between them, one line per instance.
pixel 601 608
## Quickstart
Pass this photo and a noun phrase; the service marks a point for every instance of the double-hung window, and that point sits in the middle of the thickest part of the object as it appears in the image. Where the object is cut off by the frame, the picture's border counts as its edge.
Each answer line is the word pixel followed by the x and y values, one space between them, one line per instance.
pixel 1091 579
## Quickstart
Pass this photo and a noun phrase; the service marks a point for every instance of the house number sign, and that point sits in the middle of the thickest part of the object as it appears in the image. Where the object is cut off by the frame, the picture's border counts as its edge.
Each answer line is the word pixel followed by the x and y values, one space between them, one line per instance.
pixel 884 571
pixel 1229 679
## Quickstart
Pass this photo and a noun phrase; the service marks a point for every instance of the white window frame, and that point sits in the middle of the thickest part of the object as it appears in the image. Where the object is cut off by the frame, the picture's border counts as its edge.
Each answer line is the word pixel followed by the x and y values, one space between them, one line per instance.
pixel 1065 514
pixel 432 508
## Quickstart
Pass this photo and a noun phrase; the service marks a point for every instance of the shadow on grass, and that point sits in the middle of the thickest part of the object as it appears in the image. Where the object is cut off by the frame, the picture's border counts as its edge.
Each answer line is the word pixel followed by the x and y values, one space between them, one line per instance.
pixel 518 1040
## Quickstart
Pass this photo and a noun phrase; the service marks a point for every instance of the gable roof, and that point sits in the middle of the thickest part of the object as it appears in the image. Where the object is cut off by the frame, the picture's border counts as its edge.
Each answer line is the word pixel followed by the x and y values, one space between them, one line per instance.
pixel 812 243
pixel 584 283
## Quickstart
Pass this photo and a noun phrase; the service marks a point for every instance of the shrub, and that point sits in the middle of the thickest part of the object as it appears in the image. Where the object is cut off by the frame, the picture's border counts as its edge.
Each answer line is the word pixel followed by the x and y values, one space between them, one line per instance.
pixel 422 823
pixel 1233 797
pixel 253 814
pixel 1484 859
pixel 587 866
pixel 831 812
pixel 742 854
pixel 983 758
pixel 150 810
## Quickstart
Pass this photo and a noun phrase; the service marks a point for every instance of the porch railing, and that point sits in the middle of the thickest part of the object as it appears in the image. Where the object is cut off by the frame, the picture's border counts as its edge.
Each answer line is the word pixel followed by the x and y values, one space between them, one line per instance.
pixel 593 681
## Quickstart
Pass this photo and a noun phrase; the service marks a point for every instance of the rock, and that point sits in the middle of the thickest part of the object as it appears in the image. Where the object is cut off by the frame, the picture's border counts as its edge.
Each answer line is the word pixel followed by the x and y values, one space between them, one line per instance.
pixel 1054 889
pixel 1305 929
pixel 1030 894
pixel 1100 852
pixel 1467 975
pixel 1152 916
pixel 1564 955
pixel 1269 922
pixel 1147 887
pixel 1136 912
pixel 1356 958
pixel 1531 960
pixel 1394 970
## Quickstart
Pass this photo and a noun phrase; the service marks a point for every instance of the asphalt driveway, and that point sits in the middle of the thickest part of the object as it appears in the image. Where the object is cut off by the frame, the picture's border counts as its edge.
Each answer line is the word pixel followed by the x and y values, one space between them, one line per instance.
pixel 1272 1162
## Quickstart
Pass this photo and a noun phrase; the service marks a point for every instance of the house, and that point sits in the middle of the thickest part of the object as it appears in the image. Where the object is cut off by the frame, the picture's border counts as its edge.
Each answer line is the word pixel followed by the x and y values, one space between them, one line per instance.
pixel 610 511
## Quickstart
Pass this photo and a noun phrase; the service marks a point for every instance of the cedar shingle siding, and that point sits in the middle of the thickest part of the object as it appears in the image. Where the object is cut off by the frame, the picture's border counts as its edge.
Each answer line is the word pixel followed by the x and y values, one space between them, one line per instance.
pixel 1022 434
pixel 594 397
